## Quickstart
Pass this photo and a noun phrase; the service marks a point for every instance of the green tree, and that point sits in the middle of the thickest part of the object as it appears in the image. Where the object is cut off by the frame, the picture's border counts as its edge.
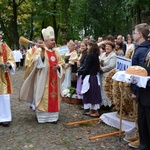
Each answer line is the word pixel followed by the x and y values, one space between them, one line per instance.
pixel 71 19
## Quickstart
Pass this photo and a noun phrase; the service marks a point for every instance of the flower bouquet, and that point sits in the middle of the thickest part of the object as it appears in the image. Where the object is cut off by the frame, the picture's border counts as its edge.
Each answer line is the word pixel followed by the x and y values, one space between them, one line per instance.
pixel 70 96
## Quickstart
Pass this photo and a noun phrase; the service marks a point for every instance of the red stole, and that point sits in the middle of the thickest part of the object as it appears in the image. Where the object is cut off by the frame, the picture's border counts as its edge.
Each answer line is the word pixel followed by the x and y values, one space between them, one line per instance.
pixel 53 83
pixel 4 54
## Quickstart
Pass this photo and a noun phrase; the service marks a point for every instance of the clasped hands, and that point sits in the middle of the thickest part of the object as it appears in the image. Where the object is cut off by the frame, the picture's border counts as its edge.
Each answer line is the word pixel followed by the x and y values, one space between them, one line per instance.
pixel 55 68
pixel 5 66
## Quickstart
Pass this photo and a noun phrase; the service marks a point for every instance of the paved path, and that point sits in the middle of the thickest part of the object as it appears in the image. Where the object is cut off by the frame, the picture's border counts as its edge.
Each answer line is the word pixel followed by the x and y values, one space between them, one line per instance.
pixel 25 133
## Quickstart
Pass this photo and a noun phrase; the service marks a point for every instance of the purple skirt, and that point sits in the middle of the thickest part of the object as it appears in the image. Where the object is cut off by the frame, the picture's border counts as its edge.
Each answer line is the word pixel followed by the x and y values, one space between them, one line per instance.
pixel 79 85
pixel 93 95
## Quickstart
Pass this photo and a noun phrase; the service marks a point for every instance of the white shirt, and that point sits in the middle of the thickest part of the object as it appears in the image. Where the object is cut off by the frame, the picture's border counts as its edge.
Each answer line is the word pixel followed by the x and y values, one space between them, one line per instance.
pixel 17 55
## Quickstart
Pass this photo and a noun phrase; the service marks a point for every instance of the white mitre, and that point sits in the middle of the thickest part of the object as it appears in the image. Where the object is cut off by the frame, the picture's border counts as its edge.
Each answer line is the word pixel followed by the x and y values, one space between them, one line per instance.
pixel 48 33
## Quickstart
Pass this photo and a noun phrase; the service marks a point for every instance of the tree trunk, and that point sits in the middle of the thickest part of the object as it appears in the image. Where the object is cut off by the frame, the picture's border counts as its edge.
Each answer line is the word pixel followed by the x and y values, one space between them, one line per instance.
pixel 32 26
pixel 54 21
pixel 138 14
pixel 14 33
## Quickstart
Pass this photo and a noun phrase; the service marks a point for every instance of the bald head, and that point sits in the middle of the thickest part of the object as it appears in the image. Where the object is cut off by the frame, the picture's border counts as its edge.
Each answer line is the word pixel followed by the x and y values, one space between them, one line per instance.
pixel 119 38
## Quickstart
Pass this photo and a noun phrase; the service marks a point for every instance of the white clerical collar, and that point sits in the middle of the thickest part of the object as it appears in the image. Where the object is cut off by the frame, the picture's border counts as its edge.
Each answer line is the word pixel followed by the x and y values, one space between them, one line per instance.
pixel 51 50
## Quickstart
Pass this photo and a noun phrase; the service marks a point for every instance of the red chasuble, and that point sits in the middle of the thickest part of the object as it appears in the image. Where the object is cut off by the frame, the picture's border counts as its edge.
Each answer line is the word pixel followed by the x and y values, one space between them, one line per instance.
pixel 53 83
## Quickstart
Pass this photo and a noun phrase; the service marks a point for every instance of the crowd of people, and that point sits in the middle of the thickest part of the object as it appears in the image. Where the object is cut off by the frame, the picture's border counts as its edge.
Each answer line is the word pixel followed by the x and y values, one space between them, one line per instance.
pixel 84 67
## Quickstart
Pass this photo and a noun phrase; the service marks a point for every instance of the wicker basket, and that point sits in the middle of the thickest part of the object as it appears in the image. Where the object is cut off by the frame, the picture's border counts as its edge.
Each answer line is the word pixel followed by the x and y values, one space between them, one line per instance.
pixel 74 101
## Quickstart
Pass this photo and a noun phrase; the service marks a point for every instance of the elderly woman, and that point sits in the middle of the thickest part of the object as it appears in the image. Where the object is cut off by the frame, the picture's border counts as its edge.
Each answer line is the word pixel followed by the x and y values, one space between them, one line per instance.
pixel 71 58
pixel 107 63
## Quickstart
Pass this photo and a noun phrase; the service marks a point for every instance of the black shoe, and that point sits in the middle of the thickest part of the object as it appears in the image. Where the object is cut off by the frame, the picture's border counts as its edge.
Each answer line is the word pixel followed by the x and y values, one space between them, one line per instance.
pixel 54 122
pixel 86 114
pixel 81 107
pixel 5 124
pixel 86 110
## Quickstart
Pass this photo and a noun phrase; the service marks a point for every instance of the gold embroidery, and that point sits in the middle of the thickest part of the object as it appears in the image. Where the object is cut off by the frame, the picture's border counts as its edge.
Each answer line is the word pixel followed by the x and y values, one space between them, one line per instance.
pixel 53 83
pixel 53 95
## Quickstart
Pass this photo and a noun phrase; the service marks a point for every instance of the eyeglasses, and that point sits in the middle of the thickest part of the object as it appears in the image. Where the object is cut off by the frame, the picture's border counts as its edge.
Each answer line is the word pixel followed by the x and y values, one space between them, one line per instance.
pixel 136 32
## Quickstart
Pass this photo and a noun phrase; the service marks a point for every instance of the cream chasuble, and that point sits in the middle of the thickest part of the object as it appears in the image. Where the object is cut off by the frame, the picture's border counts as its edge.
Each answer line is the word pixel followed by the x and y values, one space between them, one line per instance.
pixel 47 92
pixel 5 82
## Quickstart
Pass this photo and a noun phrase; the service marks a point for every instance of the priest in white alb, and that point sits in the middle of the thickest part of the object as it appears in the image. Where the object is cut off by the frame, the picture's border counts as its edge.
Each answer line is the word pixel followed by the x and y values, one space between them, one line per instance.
pixel 45 77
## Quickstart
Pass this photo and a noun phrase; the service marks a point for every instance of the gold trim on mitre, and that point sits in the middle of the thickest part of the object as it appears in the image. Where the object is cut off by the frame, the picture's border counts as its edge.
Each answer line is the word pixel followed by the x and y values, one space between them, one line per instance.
pixel 48 33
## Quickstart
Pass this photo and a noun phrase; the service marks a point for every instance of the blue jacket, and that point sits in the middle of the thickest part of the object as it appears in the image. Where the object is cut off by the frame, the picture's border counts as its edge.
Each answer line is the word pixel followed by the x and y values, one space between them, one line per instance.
pixel 140 53
pixel 139 58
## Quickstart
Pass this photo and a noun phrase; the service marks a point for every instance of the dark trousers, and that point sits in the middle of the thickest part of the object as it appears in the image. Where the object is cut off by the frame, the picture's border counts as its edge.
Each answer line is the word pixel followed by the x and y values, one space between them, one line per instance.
pixel 22 62
pixel 144 126
pixel 17 64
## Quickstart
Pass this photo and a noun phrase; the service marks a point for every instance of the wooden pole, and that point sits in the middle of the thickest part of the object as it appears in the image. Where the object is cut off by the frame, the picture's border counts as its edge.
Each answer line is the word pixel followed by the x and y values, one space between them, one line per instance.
pixel 135 111
pixel 83 121
pixel 120 127
pixel 106 135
